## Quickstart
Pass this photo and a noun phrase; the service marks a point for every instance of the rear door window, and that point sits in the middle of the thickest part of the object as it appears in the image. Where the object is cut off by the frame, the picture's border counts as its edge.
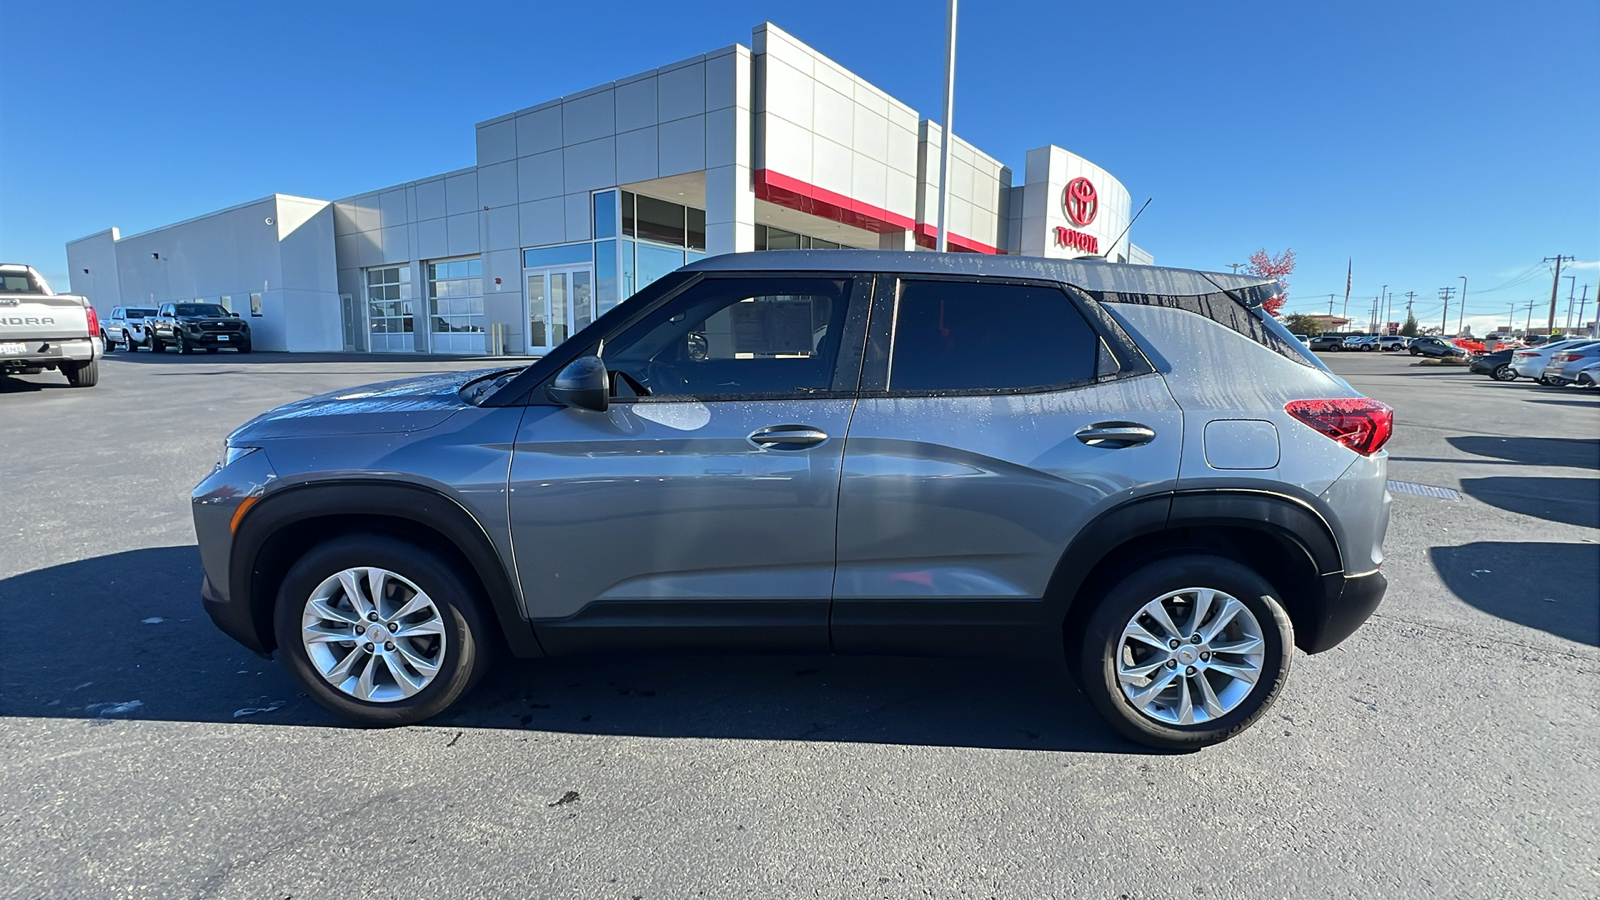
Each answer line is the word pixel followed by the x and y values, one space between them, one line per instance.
pixel 976 337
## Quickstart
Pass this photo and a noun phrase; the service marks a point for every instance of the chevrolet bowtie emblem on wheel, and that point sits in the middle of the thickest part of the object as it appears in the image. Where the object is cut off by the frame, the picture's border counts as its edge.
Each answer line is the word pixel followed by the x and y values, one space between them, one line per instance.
pixel 1080 201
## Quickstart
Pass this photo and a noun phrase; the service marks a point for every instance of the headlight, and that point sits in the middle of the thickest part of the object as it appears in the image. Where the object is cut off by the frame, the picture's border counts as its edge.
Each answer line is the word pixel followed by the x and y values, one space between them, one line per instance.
pixel 231 454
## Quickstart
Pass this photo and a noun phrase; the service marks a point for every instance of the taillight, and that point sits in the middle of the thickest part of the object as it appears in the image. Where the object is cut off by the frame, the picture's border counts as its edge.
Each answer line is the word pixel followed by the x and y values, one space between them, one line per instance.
pixel 1360 423
pixel 94 321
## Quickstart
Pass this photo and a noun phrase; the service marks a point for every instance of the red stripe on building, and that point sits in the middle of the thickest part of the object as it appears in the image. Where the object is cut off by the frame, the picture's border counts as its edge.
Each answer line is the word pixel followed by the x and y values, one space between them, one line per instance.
pixel 792 193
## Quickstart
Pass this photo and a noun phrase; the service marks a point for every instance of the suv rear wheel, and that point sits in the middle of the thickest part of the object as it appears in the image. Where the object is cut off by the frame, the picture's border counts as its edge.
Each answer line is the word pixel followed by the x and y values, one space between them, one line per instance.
pixel 1185 652
pixel 380 631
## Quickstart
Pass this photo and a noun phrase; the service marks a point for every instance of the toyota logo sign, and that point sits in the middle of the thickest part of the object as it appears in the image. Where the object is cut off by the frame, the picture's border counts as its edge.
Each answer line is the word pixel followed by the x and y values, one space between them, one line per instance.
pixel 1080 201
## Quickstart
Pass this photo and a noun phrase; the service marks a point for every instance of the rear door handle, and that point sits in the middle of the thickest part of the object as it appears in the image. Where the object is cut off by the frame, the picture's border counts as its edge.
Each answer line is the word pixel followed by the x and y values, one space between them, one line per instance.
pixel 1115 435
pixel 788 437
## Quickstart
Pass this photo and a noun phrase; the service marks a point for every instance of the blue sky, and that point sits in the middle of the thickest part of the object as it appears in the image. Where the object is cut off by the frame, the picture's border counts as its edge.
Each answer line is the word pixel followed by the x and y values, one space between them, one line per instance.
pixel 1425 141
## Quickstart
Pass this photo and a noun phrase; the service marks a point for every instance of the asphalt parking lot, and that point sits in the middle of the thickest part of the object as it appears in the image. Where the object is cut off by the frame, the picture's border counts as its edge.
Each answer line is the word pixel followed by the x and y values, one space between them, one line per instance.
pixel 1448 749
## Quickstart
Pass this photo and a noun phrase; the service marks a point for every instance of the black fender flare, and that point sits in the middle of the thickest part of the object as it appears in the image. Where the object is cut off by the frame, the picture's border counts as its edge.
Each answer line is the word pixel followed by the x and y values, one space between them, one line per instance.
pixel 426 507
pixel 1293 521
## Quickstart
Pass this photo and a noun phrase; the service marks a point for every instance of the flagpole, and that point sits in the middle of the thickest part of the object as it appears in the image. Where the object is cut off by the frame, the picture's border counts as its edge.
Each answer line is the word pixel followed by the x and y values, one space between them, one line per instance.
pixel 949 133
pixel 1348 269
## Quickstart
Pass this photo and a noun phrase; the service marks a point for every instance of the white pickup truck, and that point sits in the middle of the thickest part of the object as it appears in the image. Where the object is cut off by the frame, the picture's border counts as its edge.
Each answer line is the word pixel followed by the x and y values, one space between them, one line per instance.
pixel 40 329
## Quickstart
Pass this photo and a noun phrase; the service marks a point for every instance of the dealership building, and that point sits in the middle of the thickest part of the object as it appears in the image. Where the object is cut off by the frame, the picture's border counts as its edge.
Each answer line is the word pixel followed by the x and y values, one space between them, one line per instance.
pixel 576 203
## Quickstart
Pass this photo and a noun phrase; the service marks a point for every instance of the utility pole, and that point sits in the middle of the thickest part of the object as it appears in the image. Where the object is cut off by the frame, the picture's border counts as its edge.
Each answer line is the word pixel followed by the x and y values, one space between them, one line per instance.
pixel 1330 307
pixel 1582 302
pixel 1529 324
pixel 1235 267
pixel 1444 294
pixel 1462 316
pixel 1572 285
pixel 1511 320
pixel 1554 286
pixel 1384 292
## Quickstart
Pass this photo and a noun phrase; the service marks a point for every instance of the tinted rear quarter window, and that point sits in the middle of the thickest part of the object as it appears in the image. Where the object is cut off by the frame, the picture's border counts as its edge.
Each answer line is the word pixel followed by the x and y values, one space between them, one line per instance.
pixel 972 336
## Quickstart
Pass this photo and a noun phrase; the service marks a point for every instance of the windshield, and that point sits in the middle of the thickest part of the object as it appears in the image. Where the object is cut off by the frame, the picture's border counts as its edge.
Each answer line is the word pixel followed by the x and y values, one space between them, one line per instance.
pixel 137 313
pixel 199 309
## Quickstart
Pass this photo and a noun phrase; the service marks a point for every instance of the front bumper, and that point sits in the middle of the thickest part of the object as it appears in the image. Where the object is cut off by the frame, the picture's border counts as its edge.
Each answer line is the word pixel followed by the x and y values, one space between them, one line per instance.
pixel 234 619
pixel 215 339
pixel 214 503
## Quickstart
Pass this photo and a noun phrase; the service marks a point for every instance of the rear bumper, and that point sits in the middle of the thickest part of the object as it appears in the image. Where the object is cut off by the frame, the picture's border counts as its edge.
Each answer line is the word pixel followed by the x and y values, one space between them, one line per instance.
pixel 50 354
pixel 1347 601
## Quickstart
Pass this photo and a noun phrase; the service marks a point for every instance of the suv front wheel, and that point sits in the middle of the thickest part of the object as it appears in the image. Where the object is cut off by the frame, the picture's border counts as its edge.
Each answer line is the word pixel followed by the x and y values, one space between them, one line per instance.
pixel 380 631
pixel 1185 652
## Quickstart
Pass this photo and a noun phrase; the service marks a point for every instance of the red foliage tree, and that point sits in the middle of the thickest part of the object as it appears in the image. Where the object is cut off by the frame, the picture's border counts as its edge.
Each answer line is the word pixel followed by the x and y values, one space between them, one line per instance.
pixel 1278 268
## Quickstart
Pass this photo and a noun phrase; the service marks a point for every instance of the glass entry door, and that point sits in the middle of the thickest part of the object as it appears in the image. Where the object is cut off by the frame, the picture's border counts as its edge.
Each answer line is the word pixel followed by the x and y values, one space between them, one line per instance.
pixel 560 304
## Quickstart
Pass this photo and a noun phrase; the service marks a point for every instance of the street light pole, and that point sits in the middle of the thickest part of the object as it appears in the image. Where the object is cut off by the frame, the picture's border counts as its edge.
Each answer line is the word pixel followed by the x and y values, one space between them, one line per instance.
pixel 1462 316
pixel 949 132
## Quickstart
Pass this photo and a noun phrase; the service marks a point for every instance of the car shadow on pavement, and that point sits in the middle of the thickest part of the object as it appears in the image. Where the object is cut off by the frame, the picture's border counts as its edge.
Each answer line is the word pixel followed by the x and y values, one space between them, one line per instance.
pixel 1546 586
pixel 1573 501
pixel 123 636
pixel 1578 453
pixel 19 386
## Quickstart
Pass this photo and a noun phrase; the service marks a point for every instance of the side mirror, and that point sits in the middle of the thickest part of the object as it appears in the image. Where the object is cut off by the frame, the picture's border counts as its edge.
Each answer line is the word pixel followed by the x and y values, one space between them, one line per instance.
pixel 234 315
pixel 583 385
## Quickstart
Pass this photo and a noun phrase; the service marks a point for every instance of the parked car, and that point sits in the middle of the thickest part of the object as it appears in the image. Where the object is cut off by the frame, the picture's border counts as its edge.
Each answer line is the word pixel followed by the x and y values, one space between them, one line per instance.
pixel 1392 342
pixel 126 326
pixel 1361 342
pixel 1010 484
pixel 1496 365
pixel 40 329
pixel 1589 375
pixel 1328 342
pixel 1468 344
pixel 193 326
pixel 1303 338
pixel 1568 361
pixel 1436 348
pixel 1529 362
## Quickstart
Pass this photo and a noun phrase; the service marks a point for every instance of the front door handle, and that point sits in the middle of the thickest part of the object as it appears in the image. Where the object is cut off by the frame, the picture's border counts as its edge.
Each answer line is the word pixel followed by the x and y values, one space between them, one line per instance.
pixel 1115 435
pixel 788 437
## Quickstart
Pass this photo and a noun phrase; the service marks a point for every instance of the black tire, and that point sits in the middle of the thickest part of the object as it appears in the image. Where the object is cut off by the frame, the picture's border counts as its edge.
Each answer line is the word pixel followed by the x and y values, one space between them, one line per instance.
pixel 1099 647
pixel 153 345
pixel 184 349
pixel 468 647
pixel 244 347
pixel 1503 372
pixel 127 342
pixel 82 374
pixel 106 342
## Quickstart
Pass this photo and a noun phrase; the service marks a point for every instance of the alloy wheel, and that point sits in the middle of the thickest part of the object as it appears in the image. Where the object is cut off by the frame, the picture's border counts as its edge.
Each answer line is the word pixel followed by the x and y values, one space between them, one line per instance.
pixel 373 634
pixel 1190 656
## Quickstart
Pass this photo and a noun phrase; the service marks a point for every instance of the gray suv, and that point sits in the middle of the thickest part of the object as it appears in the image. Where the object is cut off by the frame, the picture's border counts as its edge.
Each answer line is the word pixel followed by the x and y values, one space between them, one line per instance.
pixel 831 452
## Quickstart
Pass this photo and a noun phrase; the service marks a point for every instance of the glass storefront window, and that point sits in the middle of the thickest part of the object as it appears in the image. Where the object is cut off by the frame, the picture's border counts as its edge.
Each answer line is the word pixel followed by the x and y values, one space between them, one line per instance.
pixel 656 261
pixel 605 214
pixel 559 255
pixel 696 229
pixel 607 293
pixel 659 221
pixel 769 238
pixel 629 283
pixel 629 225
